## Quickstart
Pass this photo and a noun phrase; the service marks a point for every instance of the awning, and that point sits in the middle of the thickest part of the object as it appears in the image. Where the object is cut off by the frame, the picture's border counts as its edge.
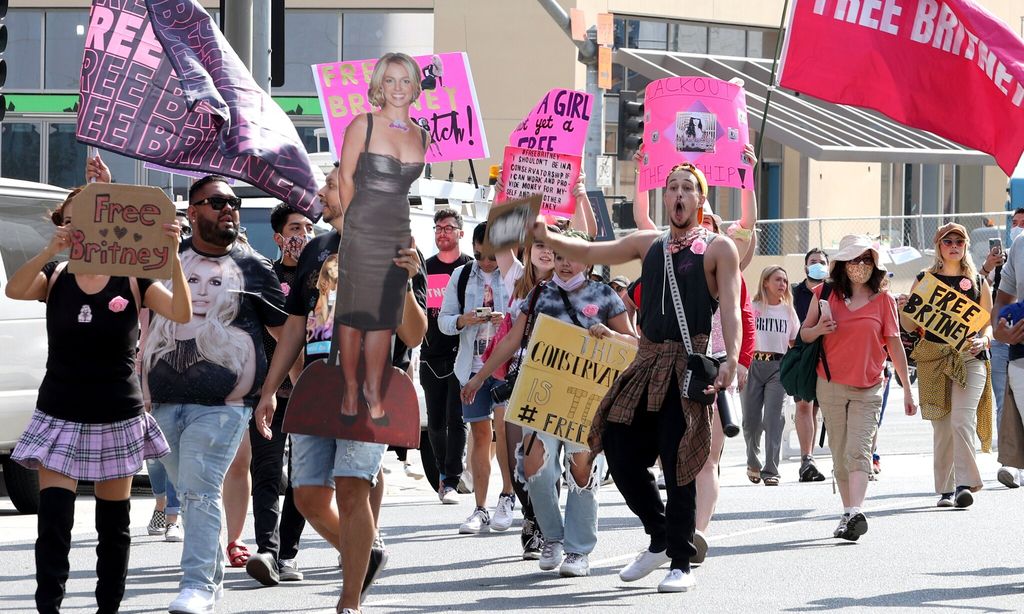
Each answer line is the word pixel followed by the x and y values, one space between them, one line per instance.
pixel 818 129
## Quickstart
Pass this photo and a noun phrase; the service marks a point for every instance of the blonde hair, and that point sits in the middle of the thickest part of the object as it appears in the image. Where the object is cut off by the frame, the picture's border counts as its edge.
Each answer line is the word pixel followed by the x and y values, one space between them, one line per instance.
pixel 327 282
pixel 216 340
pixel 375 92
pixel 966 263
pixel 768 271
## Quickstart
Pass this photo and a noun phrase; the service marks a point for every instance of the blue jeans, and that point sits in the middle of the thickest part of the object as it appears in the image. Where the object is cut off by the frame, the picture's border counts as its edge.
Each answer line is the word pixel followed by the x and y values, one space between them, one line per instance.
pixel 1000 353
pixel 203 441
pixel 162 486
pixel 578 531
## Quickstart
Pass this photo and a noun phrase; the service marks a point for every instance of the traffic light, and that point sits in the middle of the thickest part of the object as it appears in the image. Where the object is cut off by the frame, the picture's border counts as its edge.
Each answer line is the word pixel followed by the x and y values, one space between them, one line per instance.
pixel 631 124
pixel 276 43
pixel 3 59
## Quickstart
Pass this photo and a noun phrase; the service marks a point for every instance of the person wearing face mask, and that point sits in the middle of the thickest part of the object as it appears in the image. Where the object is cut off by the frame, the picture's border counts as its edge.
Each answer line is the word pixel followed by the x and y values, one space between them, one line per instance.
pixel 574 299
pixel 816 268
pixel 277 528
pixel 858 323
pixel 955 389
pixel 1011 477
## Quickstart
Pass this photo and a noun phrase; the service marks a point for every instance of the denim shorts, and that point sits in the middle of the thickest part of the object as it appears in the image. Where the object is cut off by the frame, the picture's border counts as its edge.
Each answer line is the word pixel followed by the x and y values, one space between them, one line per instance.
pixel 316 461
pixel 482 407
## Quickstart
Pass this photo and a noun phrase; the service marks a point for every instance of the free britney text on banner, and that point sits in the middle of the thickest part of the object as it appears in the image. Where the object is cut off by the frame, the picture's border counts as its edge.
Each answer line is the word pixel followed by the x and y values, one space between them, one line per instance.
pixel 947 66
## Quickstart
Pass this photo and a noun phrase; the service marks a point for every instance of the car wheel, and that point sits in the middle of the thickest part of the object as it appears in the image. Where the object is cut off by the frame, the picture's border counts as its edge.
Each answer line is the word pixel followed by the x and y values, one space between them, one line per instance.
pixel 22 486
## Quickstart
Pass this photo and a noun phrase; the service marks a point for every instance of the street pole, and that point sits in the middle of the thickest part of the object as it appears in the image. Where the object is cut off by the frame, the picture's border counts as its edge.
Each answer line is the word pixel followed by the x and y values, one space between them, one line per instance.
pixel 588 56
pixel 238 28
pixel 768 96
pixel 261 43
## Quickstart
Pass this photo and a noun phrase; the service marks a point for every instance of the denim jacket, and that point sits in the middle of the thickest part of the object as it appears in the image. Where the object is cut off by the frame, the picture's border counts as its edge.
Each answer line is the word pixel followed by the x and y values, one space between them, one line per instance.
pixel 446 319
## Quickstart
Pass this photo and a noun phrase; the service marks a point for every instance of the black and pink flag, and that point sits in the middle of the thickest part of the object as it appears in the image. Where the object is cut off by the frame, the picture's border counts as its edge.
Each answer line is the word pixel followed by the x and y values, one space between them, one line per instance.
pixel 161 84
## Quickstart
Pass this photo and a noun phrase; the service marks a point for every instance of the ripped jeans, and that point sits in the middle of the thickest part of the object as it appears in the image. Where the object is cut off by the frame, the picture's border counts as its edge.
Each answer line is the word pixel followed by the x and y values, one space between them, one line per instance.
pixel 203 441
pixel 578 531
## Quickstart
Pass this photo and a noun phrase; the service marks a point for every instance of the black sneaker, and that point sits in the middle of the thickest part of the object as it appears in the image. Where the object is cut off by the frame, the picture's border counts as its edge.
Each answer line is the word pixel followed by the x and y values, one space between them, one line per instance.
pixel 856 526
pixel 532 540
pixel 809 471
pixel 378 561
pixel 263 568
pixel 963 497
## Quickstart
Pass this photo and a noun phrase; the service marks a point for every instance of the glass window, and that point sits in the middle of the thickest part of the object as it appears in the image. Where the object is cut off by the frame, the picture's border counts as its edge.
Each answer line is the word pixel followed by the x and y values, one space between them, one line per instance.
pixel 66 157
pixel 24 50
pixel 175 186
pixel 20 152
pixel 727 41
pixel 65 45
pixel 25 229
pixel 371 35
pixel 687 38
pixel 651 35
pixel 302 27
pixel 755 44
pixel 122 168
pixel 309 138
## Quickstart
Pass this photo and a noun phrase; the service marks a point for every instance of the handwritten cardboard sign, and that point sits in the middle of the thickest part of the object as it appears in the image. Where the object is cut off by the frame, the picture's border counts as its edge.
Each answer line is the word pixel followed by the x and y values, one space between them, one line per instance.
pixel 118 230
pixel 436 285
pixel 508 224
pixel 564 375
pixel 698 120
pixel 552 175
pixel 944 312
pixel 558 123
pixel 450 111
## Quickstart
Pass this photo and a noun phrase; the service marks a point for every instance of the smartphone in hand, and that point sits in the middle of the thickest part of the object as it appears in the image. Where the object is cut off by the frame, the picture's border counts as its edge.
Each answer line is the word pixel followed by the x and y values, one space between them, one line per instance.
pixel 825 309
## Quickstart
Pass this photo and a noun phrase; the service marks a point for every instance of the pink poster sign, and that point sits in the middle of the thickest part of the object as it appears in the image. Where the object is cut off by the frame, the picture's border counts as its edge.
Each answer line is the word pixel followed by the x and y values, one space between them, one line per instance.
pixel 557 124
pixel 698 120
pixel 552 175
pixel 447 108
pixel 436 285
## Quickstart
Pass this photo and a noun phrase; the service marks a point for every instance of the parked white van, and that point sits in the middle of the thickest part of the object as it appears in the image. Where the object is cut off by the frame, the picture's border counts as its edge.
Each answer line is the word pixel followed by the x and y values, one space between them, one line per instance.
pixel 25 228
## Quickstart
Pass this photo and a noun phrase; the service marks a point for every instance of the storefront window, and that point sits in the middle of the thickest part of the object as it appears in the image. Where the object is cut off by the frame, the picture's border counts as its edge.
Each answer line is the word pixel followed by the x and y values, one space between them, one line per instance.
pixel 65 45
pixel 311 37
pixel 371 35
pixel 20 150
pixel 24 50
pixel 65 157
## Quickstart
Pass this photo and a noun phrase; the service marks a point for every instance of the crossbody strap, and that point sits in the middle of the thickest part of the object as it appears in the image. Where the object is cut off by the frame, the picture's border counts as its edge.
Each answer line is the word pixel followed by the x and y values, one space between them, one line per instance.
pixel 53 277
pixel 530 318
pixel 826 291
pixel 677 298
pixel 568 307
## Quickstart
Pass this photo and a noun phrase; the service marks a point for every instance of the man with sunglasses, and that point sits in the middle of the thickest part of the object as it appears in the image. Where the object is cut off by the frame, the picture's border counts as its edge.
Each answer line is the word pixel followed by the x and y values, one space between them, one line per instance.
pixel 193 379
pixel 475 324
pixel 445 428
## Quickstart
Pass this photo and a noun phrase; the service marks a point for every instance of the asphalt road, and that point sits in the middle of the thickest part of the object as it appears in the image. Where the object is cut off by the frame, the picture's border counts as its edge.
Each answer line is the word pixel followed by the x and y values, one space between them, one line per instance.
pixel 771 551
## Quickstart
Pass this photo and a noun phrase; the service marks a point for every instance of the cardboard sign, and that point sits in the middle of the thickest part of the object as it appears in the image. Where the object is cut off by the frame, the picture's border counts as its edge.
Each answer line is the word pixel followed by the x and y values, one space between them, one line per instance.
pixel 552 175
pixel 558 124
pixel 604 68
pixel 605 29
pixel 436 285
pixel 578 24
pixel 508 224
pixel 450 111
pixel 118 230
pixel 564 375
pixel 946 313
pixel 698 120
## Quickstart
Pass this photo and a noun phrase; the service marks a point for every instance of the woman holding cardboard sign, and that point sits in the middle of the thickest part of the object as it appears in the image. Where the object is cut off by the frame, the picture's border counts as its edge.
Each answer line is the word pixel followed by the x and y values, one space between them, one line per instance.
pixel 956 389
pixel 572 298
pixel 377 168
pixel 89 423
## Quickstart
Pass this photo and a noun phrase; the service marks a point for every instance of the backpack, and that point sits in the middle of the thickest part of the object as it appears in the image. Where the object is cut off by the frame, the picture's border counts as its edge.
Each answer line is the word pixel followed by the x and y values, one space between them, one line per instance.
pixel 799 369
pixel 460 288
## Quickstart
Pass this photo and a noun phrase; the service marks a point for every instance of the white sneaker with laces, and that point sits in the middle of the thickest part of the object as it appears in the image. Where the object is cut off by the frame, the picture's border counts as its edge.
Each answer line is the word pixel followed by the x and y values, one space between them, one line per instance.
pixel 173 532
pixel 1007 477
pixel 478 522
pixel 677 581
pixel 550 555
pixel 643 564
pixel 845 518
pixel 575 565
pixel 193 601
pixel 449 496
pixel 503 512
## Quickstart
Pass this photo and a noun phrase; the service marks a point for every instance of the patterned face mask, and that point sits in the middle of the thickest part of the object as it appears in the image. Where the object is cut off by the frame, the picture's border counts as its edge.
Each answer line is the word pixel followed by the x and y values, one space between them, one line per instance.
pixel 293 245
pixel 859 273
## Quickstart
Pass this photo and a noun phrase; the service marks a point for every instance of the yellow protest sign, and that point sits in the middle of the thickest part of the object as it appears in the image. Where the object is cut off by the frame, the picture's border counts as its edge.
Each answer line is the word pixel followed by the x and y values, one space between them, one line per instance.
pixel 944 312
pixel 565 374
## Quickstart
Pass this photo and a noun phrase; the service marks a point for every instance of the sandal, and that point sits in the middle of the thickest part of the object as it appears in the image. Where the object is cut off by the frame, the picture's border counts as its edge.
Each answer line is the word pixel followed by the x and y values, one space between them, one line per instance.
pixel 772 480
pixel 753 475
pixel 238 553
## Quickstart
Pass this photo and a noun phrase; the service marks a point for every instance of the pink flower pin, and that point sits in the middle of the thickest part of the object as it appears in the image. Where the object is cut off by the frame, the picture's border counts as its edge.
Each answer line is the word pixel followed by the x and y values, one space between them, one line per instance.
pixel 117 304
pixel 698 247
pixel 966 285
pixel 285 288
pixel 590 310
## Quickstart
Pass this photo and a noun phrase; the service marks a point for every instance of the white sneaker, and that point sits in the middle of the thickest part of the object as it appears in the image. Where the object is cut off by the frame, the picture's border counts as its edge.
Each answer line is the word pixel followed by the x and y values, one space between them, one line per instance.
pixel 677 581
pixel 503 512
pixel 193 601
pixel 478 522
pixel 1007 477
pixel 550 555
pixel 575 565
pixel 411 472
pixel 173 532
pixel 643 564
pixel 449 496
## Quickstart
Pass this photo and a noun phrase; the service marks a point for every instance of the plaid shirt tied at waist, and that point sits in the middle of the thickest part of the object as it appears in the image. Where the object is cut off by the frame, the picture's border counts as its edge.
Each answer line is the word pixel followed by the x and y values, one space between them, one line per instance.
pixel 648 377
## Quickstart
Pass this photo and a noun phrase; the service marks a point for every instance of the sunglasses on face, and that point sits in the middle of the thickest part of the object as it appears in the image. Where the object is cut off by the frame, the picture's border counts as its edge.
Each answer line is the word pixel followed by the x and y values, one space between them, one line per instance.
pixel 478 256
pixel 952 242
pixel 865 259
pixel 217 203
pixel 447 230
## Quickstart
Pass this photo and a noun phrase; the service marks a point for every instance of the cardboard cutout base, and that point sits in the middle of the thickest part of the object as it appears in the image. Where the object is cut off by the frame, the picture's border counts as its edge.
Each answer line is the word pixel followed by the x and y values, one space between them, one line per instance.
pixel 314 408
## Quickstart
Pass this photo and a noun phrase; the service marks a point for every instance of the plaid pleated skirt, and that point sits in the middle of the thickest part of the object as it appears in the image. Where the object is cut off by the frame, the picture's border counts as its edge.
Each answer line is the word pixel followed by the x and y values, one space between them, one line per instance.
pixel 93 452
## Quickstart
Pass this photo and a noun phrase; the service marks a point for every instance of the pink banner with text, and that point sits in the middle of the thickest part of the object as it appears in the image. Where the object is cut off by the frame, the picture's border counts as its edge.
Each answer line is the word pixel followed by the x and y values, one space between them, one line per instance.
pixel 557 124
pixel 449 110
pixel 698 120
pixel 552 175
pixel 436 285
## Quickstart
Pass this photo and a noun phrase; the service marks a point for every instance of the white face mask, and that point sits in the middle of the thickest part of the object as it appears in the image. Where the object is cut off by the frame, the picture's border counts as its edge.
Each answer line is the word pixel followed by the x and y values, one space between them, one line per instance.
pixel 817 271
pixel 1015 232
pixel 572 283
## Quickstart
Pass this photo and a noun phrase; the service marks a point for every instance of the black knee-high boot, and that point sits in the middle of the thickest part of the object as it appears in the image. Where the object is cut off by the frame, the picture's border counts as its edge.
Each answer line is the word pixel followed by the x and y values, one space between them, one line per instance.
pixel 114 540
pixel 55 518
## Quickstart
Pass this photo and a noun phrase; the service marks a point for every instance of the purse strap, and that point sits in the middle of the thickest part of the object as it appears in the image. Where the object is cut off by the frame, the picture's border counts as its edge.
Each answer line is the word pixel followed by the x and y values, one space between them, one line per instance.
pixel 677 298
pixel 826 291
pixel 568 307
pixel 530 320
